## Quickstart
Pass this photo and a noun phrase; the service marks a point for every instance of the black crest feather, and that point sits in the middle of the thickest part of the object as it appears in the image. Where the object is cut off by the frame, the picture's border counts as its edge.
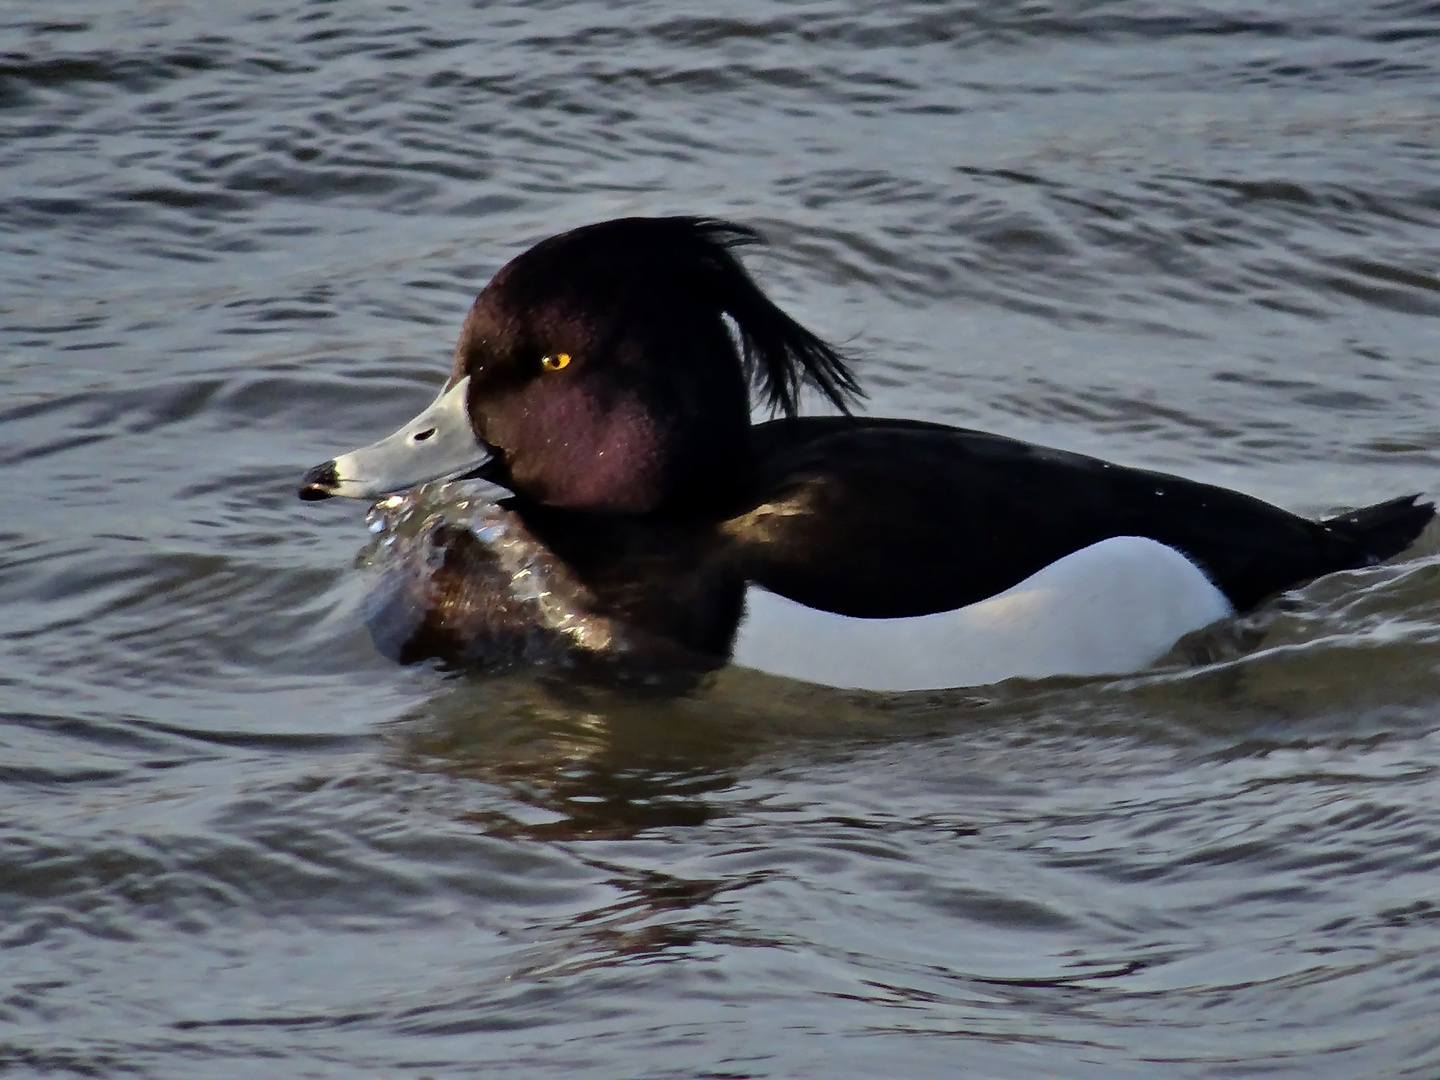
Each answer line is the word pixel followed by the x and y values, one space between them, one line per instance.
pixel 779 355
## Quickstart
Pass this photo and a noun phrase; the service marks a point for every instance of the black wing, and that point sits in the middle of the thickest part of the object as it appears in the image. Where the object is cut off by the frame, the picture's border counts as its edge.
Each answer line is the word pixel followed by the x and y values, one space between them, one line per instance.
pixel 887 518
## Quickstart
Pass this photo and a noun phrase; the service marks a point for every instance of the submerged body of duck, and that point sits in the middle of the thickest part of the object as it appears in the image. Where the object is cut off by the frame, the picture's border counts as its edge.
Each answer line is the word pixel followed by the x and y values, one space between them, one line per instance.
pixel 602 378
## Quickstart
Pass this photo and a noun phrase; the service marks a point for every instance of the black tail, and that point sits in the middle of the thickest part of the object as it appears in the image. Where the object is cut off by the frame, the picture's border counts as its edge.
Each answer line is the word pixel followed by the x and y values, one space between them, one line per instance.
pixel 1384 529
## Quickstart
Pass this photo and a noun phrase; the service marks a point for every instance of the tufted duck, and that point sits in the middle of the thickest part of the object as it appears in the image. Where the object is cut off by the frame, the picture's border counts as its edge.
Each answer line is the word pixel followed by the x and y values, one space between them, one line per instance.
pixel 604 378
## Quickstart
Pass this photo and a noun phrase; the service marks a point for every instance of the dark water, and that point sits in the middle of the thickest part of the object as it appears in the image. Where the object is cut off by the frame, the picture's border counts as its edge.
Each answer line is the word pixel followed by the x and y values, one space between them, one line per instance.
pixel 235 842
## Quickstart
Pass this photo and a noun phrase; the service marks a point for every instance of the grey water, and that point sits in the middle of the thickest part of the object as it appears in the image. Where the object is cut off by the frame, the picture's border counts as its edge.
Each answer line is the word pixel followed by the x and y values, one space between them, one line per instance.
pixel 237 842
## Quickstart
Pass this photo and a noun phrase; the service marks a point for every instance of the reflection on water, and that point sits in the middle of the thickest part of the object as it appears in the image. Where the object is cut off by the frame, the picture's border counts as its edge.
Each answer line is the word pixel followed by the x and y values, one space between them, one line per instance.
pixel 605 761
pixel 1347 657
pixel 236 841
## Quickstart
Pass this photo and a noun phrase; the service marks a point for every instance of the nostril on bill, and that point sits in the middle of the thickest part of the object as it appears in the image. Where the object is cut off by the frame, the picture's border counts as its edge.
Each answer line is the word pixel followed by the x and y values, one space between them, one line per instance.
pixel 421 436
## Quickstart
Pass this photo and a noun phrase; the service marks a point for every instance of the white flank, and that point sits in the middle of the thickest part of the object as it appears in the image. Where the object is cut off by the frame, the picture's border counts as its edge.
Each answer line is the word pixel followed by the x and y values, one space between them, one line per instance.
pixel 1113 607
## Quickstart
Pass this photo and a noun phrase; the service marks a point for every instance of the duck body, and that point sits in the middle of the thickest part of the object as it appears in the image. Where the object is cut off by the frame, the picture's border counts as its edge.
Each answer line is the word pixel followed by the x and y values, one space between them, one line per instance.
pixel 601 380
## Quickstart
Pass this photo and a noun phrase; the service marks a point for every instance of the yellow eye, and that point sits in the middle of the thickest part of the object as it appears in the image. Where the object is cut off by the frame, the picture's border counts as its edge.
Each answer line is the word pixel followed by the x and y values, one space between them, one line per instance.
pixel 556 362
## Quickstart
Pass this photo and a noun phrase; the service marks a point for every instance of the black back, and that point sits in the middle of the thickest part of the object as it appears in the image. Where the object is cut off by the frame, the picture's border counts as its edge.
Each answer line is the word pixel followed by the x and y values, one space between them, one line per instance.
pixel 886 518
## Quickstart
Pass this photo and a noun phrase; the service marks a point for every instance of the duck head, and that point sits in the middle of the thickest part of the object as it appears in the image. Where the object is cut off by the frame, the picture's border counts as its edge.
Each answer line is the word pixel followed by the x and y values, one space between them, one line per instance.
pixel 606 369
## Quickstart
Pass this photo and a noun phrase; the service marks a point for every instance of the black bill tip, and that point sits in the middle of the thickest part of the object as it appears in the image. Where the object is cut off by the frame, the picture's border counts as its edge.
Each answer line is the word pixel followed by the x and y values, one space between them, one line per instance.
pixel 319 483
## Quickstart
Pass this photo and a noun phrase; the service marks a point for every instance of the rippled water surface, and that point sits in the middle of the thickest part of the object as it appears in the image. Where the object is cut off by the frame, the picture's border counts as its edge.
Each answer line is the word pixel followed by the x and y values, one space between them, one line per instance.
pixel 236 842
